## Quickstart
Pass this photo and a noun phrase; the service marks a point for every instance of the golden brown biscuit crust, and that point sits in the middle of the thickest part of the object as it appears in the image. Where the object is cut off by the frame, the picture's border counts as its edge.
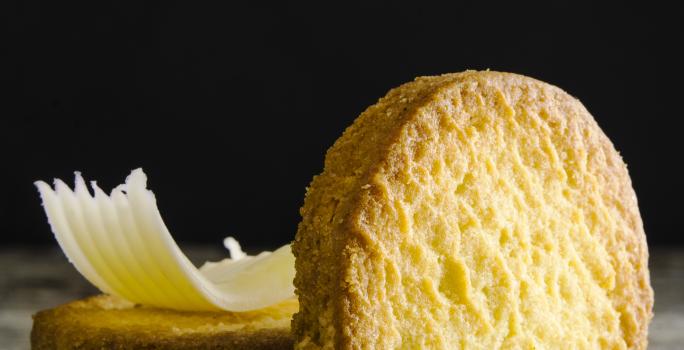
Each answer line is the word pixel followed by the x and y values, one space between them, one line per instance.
pixel 106 322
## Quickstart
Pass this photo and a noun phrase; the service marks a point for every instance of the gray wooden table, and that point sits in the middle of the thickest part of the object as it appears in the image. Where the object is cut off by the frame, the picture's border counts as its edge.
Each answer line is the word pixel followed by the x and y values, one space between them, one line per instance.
pixel 34 279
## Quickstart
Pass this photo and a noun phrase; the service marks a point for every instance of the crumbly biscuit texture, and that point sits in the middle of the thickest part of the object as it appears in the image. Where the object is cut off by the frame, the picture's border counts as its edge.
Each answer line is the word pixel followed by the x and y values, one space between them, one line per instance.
pixel 476 210
pixel 107 322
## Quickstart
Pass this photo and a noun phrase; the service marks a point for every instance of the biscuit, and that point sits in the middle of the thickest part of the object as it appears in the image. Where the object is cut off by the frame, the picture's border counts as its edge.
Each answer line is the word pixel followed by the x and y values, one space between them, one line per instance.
pixel 472 210
pixel 108 322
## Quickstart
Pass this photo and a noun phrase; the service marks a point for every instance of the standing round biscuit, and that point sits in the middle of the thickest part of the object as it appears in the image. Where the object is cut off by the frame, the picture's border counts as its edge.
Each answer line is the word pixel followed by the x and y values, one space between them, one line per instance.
pixel 472 210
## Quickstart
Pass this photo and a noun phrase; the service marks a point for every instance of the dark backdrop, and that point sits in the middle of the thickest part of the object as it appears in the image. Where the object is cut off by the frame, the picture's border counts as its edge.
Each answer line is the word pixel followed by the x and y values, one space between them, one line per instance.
pixel 230 109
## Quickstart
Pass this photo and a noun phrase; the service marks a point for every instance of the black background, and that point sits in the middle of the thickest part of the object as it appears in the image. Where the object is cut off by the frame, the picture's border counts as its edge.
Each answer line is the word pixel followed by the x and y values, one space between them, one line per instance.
pixel 230 109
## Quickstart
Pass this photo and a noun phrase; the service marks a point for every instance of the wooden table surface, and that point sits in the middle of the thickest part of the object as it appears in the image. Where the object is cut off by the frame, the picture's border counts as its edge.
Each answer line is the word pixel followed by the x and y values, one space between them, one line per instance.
pixel 34 279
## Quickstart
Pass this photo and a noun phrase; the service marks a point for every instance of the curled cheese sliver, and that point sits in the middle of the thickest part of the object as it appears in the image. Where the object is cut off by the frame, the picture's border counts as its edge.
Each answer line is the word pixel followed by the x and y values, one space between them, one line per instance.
pixel 120 244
